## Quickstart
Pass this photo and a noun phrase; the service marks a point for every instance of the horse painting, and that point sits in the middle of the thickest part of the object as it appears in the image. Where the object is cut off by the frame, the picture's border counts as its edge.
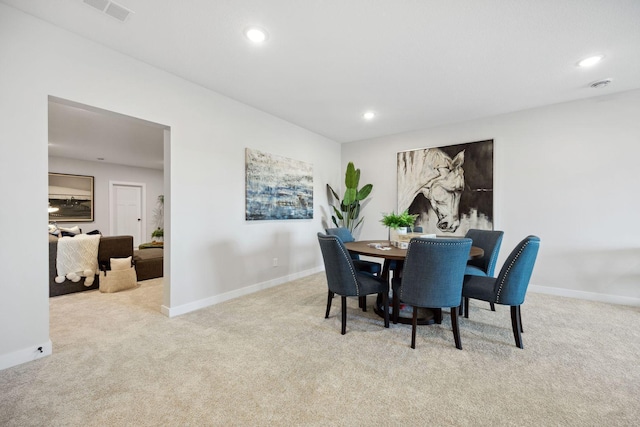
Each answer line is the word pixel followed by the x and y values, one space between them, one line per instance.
pixel 440 179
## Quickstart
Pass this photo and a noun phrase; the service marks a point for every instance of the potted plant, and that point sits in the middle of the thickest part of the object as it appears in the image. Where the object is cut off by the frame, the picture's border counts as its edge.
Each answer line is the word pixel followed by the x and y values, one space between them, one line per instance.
pixel 158 216
pixel 158 233
pixel 347 211
pixel 399 222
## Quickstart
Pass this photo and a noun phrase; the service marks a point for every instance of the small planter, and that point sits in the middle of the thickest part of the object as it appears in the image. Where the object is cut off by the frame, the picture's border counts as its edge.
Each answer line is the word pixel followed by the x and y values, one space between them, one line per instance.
pixel 399 221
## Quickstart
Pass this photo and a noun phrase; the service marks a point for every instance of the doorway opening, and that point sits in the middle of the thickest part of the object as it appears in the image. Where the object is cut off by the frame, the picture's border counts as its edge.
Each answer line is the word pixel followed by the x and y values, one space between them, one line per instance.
pixel 126 157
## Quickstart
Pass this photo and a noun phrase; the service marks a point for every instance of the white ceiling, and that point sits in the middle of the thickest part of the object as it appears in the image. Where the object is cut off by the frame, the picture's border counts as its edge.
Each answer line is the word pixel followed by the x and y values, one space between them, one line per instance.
pixel 81 132
pixel 417 63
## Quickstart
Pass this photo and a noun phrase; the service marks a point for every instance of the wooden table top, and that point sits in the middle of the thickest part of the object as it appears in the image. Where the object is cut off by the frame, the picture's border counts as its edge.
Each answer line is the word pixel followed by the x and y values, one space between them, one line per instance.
pixel 362 247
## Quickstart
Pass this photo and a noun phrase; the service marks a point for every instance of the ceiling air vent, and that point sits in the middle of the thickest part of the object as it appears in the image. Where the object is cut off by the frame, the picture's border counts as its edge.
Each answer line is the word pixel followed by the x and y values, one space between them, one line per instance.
pixel 98 4
pixel 110 8
pixel 600 83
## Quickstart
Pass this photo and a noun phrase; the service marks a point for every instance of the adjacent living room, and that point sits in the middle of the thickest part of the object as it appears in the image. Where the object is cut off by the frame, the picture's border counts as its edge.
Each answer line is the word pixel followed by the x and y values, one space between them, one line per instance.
pixel 115 165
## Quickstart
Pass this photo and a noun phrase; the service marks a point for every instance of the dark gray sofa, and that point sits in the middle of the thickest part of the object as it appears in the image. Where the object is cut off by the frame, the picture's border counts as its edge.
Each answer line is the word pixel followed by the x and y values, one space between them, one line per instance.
pixel 110 247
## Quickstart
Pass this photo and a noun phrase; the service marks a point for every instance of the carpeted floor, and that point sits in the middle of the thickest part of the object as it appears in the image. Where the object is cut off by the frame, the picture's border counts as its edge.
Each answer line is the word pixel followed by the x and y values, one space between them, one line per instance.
pixel 271 358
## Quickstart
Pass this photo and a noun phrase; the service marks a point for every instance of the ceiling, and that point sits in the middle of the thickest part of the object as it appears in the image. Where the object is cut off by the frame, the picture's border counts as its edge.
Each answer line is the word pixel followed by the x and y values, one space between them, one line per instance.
pixel 416 63
pixel 81 132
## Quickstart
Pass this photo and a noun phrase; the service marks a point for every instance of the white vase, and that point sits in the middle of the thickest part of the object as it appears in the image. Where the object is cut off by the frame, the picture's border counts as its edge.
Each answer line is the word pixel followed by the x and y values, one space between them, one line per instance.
pixel 402 230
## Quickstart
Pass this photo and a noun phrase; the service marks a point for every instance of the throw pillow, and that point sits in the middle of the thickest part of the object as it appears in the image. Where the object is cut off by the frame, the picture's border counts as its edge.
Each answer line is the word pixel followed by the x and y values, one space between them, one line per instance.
pixel 71 231
pixel 118 280
pixel 120 263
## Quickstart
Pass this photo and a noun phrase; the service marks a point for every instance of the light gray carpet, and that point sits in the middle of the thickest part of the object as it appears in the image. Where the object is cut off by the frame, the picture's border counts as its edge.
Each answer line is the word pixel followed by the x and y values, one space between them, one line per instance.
pixel 271 358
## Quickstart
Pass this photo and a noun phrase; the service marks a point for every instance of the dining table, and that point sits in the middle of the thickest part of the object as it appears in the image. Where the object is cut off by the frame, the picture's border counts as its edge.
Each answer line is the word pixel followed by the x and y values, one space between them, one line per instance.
pixel 394 256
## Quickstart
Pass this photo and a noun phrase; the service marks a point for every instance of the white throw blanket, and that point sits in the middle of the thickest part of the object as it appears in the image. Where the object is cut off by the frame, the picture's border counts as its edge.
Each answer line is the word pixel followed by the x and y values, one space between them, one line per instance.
pixel 78 257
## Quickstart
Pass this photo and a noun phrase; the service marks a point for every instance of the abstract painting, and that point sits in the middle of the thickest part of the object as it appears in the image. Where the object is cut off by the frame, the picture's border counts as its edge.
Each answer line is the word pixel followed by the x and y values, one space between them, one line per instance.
pixel 277 187
pixel 450 188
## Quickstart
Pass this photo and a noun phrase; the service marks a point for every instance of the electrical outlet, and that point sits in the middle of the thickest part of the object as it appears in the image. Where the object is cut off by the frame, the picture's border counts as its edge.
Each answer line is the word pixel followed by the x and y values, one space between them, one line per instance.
pixel 275 262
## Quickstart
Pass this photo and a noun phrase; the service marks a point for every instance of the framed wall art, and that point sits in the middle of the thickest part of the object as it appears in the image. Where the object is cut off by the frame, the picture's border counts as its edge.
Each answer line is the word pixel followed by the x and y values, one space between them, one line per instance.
pixel 450 187
pixel 277 187
pixel 70 198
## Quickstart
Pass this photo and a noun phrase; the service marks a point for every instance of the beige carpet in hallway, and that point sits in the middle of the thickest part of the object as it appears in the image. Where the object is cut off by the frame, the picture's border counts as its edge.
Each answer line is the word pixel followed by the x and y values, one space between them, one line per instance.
pixel 271 359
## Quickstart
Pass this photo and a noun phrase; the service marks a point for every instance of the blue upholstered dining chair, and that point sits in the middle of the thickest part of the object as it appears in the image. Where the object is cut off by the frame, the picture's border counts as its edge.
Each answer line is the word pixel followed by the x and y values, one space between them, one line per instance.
pixel 371 267
pixel 510 287
pixel 361 265
pixel 343 279
pixel 489 241
pixel 432 278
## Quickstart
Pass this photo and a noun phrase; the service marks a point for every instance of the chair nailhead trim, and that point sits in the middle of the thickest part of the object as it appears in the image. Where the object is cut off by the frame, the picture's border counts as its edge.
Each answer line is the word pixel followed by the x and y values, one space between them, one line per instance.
pixel 353 272
pixel 434 243
pixel 509 269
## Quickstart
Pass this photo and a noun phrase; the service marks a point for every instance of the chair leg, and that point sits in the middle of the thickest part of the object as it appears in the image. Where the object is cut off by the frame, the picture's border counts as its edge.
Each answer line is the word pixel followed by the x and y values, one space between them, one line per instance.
pixel 362 301
pixel 493 307
pixel 438 315
pixel 344 315
pixel 385 304
pixel 520 317
pixel 396 307
pixel 466 307
pixel 515 324
pixel 456 327
pixel 414 325
pixel 329 298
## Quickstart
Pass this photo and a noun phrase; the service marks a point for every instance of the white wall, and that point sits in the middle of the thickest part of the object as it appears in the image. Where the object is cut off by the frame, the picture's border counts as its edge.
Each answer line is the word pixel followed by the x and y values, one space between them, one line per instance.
pixel 103 173
pixel 567 173
pixel 213 252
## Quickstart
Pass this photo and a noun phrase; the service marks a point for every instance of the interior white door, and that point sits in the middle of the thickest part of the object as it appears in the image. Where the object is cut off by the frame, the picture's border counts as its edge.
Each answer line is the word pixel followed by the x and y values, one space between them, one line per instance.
pixel 127 211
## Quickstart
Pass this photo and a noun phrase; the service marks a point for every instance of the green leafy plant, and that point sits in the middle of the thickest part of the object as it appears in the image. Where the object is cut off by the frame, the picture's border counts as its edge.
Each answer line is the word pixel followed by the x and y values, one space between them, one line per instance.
pixel 394 220
pixel 158 216
pixel 347 211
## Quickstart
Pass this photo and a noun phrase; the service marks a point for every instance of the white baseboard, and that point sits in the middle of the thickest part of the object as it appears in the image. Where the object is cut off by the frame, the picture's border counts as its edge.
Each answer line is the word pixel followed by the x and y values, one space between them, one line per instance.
pixel 25 355
pixel 217 299
pixel 590 296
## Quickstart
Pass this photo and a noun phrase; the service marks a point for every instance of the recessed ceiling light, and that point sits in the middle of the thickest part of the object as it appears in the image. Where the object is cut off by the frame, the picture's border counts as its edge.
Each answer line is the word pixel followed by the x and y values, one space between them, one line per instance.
pixel 256 34
pixel 590 61
pixel 369 115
